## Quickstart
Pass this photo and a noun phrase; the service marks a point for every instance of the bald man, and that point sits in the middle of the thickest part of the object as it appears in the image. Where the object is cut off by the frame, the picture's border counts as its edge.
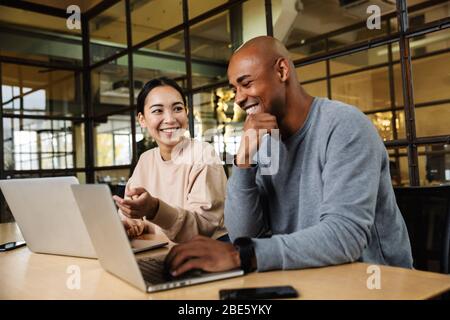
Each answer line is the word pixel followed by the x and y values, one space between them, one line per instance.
pixel 331 200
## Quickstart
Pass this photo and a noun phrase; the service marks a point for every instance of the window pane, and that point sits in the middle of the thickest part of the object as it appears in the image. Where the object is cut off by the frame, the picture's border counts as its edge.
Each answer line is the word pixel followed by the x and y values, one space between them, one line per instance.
pixel 360 34
pixel 37 21
pixel 359 60
pixel 33 44
pixel 300 48
pixel 110 87
pixel 430 78
pixel 431 42
pixel 211 48
pixel 113 141
pixel 433 120
pixel 197 7
pixel 310 19
pixel 31 144
pixel 253 13
pixel 311 71
pixel 81 176
pixel 144 141
pixel 150 18
pixel 204 117
pixel 398 166
pixel 204 41
pixel 367 90
pixel 398 85
pixel 116 179
pixel 162 58
pixel 427 15
pixel 84 5
pixel 218 121
pixel 384 123
pixel 316 89
pixel 108 32
pixel 434 164
pixel 40 91
pixel 173 44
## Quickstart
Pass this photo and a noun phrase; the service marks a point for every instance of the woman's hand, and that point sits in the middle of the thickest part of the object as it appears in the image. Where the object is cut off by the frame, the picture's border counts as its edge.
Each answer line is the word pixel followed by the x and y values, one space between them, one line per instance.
pixel 133 227
pixel 139 205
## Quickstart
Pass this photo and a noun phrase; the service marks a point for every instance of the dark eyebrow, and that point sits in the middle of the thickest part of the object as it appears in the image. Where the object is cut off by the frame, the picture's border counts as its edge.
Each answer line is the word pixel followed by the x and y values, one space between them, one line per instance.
pixel 162 106
pixel 239 80
pixel 242 78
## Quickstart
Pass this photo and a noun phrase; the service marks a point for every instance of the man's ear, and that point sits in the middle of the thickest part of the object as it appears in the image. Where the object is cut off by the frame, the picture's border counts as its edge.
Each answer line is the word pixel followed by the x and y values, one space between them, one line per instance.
pixel 283 69
pixel 141 120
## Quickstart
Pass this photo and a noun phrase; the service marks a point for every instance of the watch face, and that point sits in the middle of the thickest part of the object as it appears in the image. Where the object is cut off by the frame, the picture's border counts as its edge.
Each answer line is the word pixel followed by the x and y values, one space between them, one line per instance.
pixel 246 253
pixel 9 245
pixel 244 241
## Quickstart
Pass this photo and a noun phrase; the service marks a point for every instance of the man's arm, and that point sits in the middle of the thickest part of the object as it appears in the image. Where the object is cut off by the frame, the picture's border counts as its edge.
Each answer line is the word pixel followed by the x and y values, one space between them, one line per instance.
pixel 243 211
pixel 350 178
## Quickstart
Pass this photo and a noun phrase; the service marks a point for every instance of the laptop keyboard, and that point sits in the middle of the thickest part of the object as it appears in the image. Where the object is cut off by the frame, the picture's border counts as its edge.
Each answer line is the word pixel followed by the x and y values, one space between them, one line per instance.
pixel 153 270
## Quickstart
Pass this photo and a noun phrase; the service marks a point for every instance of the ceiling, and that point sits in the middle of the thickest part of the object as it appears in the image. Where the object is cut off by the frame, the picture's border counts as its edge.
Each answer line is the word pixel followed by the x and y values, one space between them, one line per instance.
pixel 63 4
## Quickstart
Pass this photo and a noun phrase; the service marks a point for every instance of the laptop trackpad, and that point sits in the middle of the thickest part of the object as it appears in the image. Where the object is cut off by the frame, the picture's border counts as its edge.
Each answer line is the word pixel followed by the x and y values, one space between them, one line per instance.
pixel 139 245
pixel 193 273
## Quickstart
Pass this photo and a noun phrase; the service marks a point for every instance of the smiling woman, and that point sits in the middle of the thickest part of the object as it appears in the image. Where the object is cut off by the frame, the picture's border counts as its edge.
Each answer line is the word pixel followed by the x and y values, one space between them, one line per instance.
pixel 179 187
pixel 163 113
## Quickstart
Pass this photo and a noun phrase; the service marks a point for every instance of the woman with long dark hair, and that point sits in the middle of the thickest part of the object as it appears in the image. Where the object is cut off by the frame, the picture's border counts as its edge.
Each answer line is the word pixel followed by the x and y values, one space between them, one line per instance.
pixel 179 187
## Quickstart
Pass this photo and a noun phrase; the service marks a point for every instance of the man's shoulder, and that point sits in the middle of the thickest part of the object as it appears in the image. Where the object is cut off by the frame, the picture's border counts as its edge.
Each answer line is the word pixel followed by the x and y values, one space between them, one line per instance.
pixel 335 110
pixel 333 114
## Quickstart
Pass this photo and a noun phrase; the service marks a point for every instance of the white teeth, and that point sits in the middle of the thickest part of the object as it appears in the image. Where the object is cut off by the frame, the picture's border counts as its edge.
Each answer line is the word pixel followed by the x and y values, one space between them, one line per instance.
pixel 169 130
pixel 252 110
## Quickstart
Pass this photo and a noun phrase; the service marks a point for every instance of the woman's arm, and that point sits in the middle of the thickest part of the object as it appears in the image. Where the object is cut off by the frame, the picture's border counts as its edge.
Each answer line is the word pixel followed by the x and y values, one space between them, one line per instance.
pixel 203 214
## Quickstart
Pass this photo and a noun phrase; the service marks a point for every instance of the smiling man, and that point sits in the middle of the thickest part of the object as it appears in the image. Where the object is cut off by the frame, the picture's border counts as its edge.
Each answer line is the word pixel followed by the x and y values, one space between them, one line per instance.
pixel 331 200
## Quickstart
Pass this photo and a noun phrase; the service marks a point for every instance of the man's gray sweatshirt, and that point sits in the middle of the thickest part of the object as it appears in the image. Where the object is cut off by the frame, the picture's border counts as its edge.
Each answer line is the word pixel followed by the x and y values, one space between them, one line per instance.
pixel 330 202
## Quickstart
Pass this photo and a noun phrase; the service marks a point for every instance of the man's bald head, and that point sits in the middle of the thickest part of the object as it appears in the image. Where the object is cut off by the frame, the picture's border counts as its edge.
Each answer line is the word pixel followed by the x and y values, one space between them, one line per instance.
pixel 262 74
pixel 264 80
pixel 264 48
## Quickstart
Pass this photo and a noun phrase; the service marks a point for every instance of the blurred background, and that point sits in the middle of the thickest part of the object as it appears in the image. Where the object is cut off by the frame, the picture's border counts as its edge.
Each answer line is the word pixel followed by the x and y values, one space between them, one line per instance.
pixel 68 95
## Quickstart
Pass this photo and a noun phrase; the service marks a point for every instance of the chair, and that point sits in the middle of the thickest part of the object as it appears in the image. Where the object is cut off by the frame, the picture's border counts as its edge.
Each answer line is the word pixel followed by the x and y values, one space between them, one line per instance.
pixel 426 211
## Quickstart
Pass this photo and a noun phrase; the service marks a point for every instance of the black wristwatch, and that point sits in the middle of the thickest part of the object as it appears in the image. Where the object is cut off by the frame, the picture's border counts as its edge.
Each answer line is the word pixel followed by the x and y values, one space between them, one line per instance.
pixel 246 253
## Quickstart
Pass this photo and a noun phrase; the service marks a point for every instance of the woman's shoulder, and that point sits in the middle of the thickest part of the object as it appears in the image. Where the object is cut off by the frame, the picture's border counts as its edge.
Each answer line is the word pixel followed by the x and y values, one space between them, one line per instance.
pixel 148 154
pixel 198 152
pixel 146 157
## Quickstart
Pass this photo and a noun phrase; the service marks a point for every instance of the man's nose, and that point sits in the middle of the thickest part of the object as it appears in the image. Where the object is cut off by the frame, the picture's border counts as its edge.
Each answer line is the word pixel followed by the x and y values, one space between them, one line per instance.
pixel 240 98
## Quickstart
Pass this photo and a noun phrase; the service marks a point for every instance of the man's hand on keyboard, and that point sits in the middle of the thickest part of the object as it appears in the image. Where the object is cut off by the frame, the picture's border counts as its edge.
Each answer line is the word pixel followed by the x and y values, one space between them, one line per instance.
pixel 202 253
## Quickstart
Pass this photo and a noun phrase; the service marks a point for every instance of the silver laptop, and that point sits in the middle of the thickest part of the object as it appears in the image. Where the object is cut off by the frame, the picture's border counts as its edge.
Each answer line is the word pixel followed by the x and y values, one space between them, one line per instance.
pixel 114 253
pixel 49 220
pixel 48 216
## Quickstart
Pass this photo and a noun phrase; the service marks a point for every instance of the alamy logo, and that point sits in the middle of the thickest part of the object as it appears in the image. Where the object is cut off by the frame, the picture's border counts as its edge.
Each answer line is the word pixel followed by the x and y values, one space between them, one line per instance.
pixel 74 20
pixel 74 280
pixel 374 280
pixel 374 20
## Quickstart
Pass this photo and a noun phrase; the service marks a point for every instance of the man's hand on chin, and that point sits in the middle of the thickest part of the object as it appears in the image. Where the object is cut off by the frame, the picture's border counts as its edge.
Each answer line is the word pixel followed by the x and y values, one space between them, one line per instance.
pixel 255 127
